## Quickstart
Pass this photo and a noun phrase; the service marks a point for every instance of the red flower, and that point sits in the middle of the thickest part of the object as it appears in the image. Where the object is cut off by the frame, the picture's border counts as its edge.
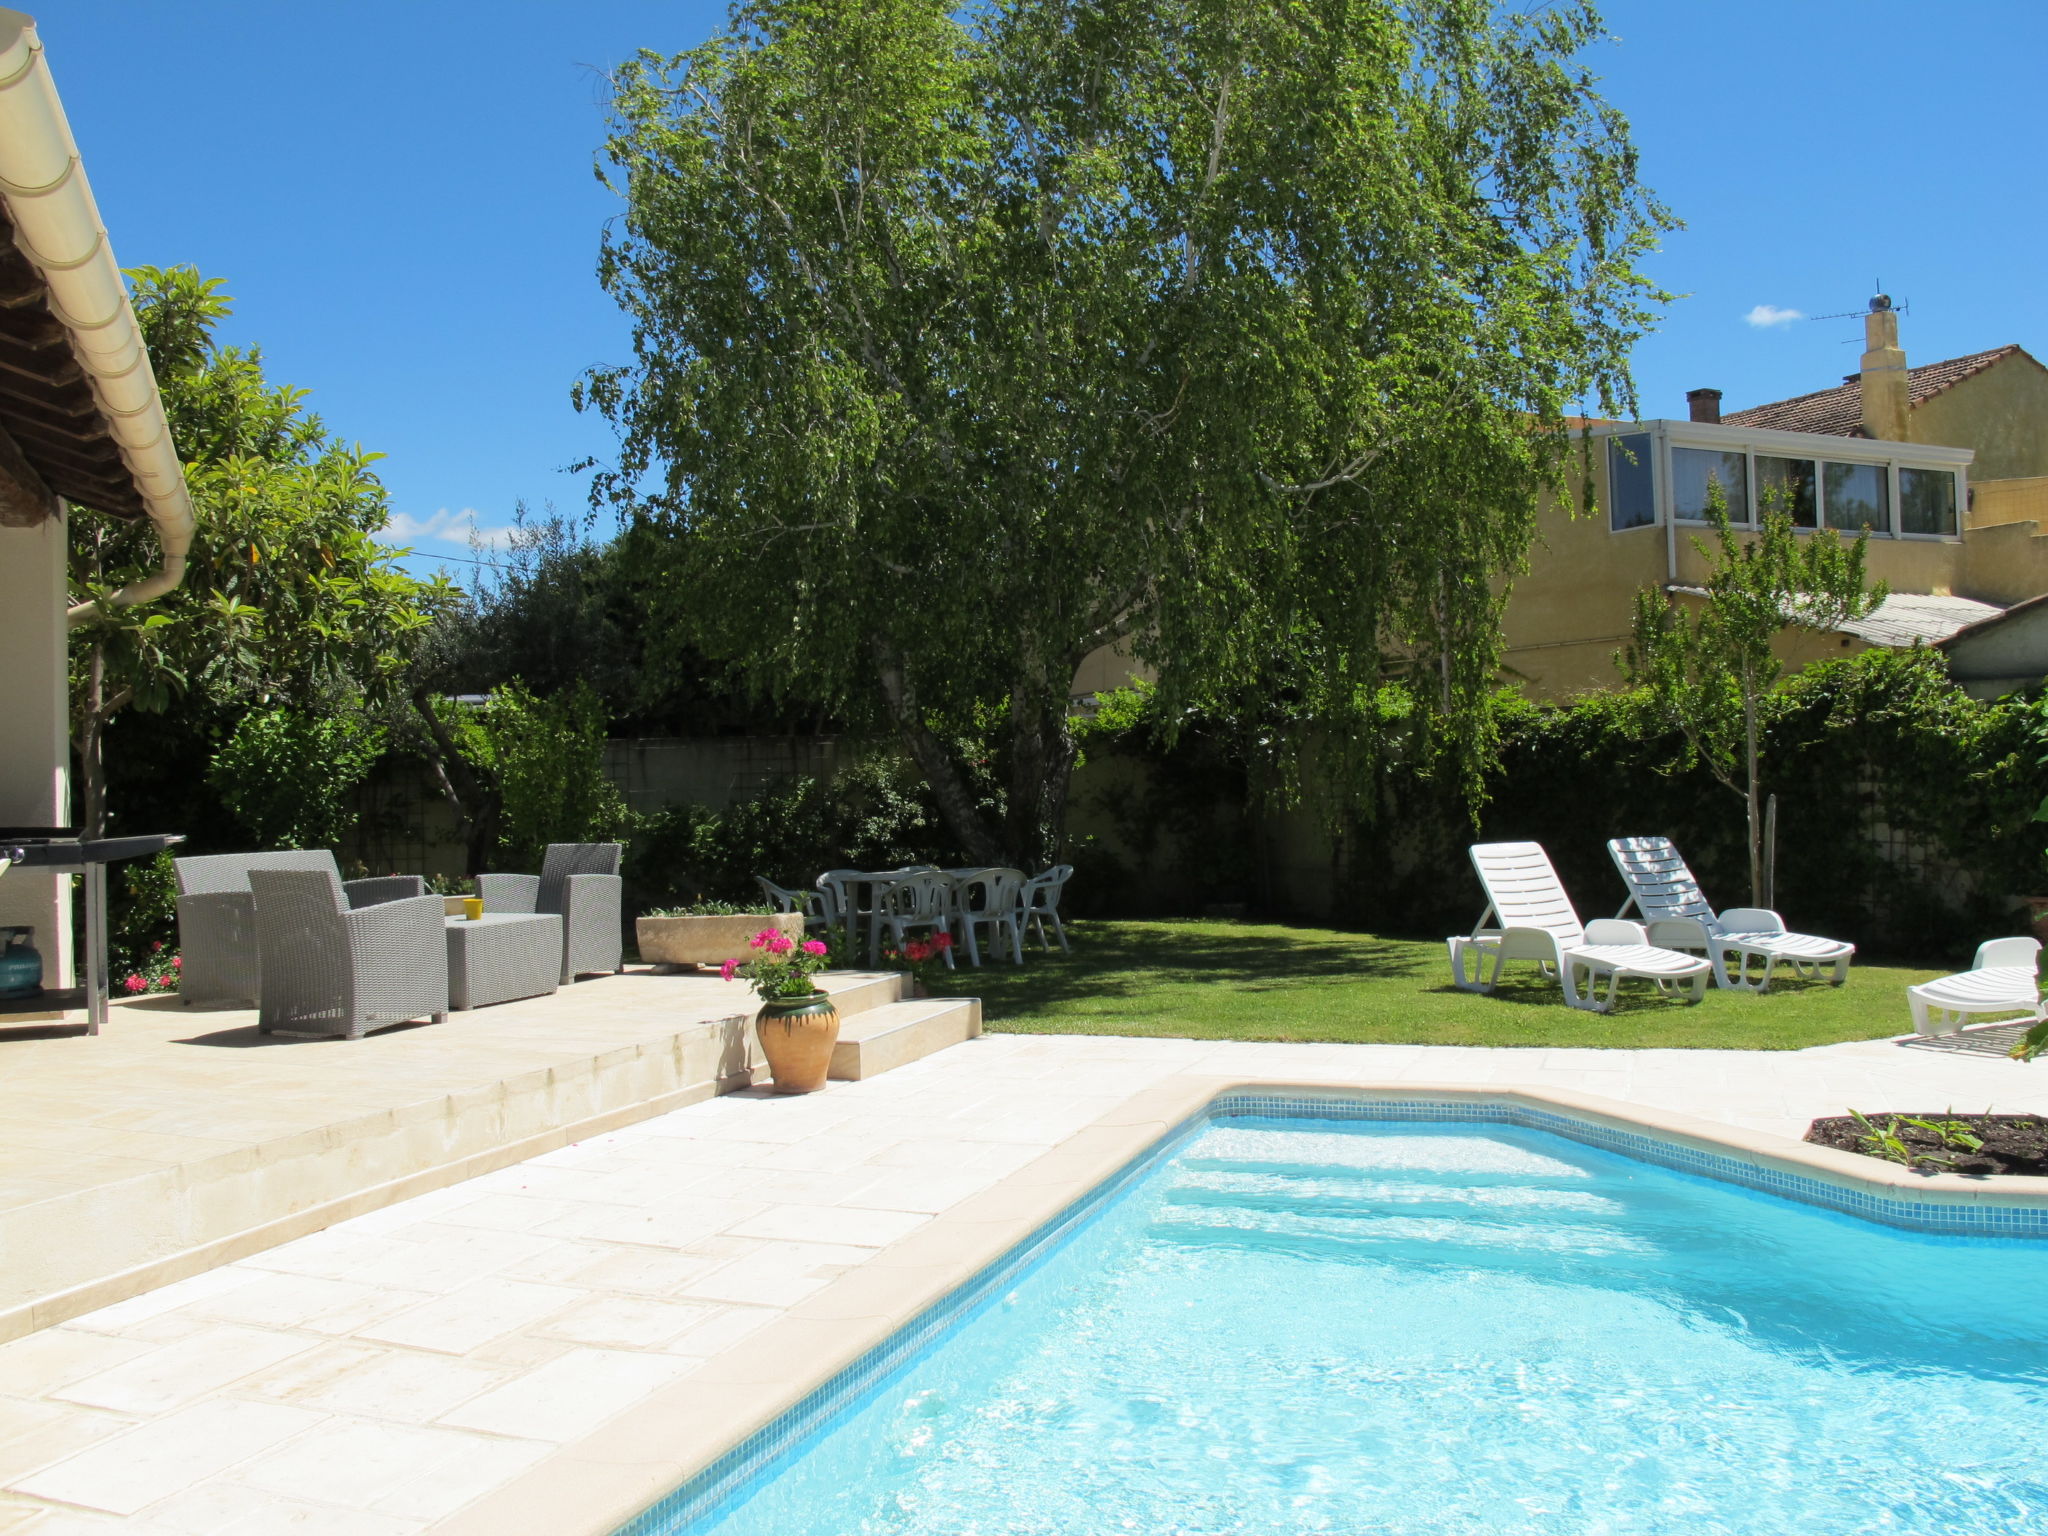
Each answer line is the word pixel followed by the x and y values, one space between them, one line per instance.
pixel 177 962
pixel 134 983
pixel 157 946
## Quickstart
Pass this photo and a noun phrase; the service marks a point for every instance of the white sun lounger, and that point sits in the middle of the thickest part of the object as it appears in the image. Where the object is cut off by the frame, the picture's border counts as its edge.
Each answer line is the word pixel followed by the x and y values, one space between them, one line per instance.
pixel 1529 917
pixel 1663 890
pixel 2002 979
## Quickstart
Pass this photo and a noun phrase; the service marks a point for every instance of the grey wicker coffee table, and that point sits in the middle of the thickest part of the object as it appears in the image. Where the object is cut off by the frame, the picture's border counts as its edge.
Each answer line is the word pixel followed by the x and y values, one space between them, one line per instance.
pixel 503 955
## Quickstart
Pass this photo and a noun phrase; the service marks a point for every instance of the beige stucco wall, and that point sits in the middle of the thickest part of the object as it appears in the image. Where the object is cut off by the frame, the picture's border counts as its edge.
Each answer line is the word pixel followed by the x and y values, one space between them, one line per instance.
pixel 2002 413
pixel 1570 612
pixel 2023 499
pixel 35 756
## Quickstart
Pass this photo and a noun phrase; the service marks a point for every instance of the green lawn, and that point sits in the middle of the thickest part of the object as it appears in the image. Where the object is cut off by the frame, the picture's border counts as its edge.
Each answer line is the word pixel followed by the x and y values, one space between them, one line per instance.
pixel 1266 981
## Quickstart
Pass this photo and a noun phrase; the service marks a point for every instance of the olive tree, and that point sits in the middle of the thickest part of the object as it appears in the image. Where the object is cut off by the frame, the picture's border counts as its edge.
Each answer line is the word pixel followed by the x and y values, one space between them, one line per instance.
pixel 1240 335
pixel 1710 673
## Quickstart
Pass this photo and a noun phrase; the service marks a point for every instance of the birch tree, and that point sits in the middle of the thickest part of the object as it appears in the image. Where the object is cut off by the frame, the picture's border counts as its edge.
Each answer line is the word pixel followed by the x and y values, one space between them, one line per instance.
pixel 1238 334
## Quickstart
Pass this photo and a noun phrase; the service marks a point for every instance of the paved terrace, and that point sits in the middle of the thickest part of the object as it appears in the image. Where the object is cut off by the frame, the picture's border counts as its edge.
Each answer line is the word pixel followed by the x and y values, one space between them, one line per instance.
pixel 538 1350
pixel 180 1137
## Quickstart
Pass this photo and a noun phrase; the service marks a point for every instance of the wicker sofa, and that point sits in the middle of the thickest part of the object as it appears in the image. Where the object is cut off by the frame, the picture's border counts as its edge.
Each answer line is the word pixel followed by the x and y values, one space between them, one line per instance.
pixel 329 969
pixel 579 882
pixel 222 962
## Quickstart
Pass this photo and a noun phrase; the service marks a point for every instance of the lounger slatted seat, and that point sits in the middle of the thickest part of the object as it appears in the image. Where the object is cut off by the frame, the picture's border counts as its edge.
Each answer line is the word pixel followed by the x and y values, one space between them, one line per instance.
pixel 1528 916
pixel 2004 978
pixel 1662 889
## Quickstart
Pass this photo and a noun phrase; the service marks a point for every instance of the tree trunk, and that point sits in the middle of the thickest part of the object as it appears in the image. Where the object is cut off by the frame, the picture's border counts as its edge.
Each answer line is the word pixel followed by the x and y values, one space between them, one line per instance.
pixel 1042 753
pixel 92 726
pixel 1752 799
pixel 956 805
pixel 474 803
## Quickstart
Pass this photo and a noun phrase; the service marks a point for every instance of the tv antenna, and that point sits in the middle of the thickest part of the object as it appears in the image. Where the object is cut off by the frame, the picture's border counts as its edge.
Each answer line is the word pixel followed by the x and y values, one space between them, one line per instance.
pixel 1879 302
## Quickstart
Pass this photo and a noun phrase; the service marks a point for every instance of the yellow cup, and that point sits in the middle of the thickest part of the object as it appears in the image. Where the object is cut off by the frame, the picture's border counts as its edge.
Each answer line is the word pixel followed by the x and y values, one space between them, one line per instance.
pixel 472 908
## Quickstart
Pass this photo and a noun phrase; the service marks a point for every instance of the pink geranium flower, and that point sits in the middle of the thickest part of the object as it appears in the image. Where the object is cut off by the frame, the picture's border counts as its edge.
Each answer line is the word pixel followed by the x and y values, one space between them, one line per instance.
pixel 725 971
pixel 134 983
pixel 177 962
pixel 814 946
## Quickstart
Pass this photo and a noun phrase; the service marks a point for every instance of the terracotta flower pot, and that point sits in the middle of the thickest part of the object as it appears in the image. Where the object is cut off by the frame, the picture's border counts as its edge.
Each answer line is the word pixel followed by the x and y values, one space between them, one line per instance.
pixel 797 1036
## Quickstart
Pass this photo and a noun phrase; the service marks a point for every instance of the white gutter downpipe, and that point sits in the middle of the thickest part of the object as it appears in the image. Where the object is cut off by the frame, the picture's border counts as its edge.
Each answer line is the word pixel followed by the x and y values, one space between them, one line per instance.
pixel 57 226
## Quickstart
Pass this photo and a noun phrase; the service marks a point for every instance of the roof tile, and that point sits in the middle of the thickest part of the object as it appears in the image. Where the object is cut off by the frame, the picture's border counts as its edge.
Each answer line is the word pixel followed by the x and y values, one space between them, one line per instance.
pixel 1839 411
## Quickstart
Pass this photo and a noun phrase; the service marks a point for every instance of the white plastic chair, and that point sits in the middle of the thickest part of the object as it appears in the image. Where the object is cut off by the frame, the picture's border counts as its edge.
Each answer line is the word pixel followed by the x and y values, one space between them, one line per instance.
pixel 810 903
pixel 2004 978
pixel 1533 919
pixel 920 901
pixel 1041 901
pixel 1663 890
pixel 998 908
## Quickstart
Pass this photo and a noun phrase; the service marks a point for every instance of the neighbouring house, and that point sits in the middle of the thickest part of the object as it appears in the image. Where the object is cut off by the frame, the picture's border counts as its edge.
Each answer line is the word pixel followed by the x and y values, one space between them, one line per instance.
pixel 1946 464
pixel 80 423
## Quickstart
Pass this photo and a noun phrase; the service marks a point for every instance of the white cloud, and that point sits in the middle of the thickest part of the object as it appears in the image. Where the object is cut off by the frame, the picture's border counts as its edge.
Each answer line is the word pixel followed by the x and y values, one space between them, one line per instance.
pixel 1764 316
pixel 444 527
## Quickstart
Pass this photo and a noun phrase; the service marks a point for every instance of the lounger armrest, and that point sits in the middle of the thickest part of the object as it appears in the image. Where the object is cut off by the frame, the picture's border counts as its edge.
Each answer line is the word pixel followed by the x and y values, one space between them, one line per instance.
pixel 508 893
pixel 1751 920
pixel 382 888
pixel 1529 944
pixel 1615 930
pixel 1679 933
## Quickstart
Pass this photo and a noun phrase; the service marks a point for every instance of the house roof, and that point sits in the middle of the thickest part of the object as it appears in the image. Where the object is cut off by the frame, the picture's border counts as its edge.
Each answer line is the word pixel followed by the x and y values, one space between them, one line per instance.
pixel 46 403
pixel 1840 410
pixel 1906 618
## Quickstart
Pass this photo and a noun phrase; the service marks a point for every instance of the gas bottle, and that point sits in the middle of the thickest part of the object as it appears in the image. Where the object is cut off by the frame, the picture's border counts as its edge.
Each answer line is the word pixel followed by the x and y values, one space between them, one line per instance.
pixel 21 968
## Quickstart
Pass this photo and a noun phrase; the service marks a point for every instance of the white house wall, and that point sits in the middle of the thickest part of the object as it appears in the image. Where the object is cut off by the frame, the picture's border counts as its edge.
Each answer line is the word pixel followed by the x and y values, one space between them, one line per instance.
pixel 35 758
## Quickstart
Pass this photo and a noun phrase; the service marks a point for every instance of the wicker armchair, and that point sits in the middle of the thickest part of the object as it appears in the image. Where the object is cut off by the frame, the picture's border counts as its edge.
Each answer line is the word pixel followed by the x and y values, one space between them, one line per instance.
pixel 330 970
pixel 217 917
pixel 580 882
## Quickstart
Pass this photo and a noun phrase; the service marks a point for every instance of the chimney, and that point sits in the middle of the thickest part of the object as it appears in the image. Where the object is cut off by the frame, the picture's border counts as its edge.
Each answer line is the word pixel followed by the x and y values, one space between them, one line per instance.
pixel 1704 404
pixel 1884 374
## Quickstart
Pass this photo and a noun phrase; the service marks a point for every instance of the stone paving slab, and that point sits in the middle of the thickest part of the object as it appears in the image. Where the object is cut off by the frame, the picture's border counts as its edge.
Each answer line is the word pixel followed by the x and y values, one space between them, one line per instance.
pixel 181 1137
pixel 402 1372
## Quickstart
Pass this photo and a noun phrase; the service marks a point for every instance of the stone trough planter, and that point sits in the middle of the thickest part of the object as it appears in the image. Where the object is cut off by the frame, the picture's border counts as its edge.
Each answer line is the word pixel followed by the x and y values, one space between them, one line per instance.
pixel 707 940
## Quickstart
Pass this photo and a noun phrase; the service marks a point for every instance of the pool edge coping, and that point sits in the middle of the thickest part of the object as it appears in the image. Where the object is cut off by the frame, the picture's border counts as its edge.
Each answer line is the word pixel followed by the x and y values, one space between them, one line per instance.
pixel 597 1484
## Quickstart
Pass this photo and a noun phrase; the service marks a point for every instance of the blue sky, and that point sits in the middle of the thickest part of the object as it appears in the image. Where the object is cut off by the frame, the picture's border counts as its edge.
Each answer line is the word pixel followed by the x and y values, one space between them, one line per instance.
pixel 401 200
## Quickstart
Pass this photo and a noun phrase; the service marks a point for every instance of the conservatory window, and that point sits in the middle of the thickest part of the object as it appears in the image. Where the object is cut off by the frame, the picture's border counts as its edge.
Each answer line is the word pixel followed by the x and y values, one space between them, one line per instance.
pixel 1694 474
pixel 1788 486
pixel 1631 489
pixel 1927 501
pixel 1856 497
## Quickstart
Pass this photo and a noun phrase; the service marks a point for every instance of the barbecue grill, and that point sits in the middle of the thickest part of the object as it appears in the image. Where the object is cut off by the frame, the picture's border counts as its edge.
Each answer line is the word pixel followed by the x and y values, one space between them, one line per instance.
pixel 61 850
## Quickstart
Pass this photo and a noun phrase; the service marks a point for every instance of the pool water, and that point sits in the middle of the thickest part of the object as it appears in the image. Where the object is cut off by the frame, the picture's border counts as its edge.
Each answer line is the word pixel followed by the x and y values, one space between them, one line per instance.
pixel 1421 1329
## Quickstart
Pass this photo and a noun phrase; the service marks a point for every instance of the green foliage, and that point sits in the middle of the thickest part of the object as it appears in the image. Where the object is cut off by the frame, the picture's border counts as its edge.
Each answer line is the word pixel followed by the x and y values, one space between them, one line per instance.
pixel 546 756
pixel 286 775
pixel 715 909
pixel 143 914
pixel 1711 677
pixel 968 342
pixel 1884 739
pixel 287 596
pixel 875 815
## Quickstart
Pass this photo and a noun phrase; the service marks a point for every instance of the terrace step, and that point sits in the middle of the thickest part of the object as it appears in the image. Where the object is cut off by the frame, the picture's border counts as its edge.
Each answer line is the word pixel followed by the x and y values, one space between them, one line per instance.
pixel 881 1039
pixel 858 992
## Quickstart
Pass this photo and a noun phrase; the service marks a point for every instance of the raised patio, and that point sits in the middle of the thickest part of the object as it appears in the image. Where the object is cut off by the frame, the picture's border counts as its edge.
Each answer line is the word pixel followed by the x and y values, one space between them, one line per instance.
pixel 180 1139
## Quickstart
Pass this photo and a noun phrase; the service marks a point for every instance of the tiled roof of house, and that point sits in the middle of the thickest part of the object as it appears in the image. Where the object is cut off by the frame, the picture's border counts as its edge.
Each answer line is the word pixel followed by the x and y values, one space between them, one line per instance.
pixel 1840 410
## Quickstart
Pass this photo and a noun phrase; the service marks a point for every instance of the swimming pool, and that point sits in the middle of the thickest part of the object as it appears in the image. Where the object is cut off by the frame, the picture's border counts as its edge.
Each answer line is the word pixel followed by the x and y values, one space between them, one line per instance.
pixel 1304 1325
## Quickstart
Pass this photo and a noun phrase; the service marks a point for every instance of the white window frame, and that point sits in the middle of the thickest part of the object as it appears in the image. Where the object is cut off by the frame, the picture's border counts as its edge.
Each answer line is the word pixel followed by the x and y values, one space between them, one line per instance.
pixel 1666 435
